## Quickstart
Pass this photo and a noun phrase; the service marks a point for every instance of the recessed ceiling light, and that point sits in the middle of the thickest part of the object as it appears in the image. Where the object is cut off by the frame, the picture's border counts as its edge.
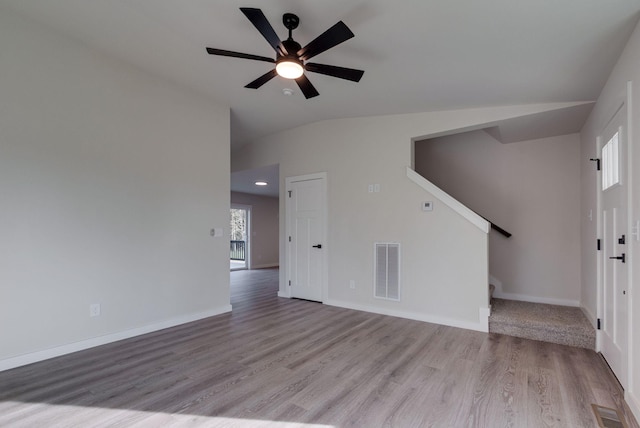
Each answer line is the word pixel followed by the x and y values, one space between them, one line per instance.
pixel 261 183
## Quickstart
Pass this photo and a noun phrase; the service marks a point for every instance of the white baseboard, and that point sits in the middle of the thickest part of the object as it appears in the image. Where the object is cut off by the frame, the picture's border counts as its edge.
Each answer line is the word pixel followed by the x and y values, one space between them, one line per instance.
pixel 590 316
pixel 285 295
pixel 484 314
pixel 33 357
pixel 534 299
pixel 634 404
pixel 434 319
pixel 265 266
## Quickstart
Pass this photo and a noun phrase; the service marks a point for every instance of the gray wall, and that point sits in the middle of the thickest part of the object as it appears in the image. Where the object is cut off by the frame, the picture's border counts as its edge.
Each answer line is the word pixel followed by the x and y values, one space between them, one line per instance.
pixel 531 189
pixel 110 181
pixel 264 228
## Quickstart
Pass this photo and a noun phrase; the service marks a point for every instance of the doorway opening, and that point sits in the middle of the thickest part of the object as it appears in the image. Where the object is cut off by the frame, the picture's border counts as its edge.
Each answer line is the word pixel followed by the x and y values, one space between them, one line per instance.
pixel 239 237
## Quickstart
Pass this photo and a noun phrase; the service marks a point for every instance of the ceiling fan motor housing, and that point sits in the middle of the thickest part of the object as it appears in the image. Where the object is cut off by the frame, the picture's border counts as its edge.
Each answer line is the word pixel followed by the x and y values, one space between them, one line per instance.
pixel 292 48
pixel 290 21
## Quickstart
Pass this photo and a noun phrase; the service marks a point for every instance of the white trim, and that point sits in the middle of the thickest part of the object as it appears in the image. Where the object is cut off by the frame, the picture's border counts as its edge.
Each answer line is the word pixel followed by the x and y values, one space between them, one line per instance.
pixel 634 403
pixel 448 200
pixel 631 362
pixel 33 357
pixel 534 299
pixel 484 314
pixel 284 295
pixel 434 319
pixel 265 266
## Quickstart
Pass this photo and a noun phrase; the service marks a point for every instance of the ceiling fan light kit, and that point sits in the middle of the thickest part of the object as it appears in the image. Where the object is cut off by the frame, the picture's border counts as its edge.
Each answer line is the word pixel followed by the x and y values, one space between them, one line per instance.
pixel 291 59
pixel 289 68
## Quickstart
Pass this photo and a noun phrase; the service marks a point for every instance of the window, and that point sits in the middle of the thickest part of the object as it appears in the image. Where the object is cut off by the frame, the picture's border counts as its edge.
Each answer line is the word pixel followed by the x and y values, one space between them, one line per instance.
pixel 610 163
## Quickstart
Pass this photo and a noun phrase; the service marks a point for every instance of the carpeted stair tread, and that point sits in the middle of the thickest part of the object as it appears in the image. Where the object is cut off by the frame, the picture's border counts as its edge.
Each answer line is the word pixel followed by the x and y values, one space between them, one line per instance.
pixel 565 325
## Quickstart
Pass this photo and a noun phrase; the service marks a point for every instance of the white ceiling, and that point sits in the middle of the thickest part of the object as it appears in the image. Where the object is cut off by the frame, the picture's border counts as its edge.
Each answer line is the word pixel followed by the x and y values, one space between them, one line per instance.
pixel 418 55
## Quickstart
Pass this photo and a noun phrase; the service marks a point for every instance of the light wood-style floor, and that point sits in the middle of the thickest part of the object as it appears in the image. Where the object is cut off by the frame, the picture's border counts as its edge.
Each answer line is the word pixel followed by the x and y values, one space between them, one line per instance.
pixel 281 362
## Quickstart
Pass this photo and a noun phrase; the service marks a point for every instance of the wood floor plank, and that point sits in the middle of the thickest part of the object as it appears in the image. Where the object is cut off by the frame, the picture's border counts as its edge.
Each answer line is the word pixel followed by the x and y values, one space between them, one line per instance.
pixel 275 361
pixel 544 400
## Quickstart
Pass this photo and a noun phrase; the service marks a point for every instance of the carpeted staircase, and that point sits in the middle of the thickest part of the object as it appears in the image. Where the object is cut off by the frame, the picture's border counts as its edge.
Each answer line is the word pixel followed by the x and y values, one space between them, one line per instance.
pixel 564 325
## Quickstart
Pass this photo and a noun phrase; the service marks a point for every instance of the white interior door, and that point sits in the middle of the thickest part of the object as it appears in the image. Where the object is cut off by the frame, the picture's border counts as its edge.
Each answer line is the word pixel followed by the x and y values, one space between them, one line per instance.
pixel 306 236
pixel 613 217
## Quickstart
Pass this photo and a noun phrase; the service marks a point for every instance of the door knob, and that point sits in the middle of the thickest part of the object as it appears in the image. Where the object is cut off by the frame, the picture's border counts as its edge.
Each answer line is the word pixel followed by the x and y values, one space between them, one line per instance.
pixel 317 246
pixel 622 257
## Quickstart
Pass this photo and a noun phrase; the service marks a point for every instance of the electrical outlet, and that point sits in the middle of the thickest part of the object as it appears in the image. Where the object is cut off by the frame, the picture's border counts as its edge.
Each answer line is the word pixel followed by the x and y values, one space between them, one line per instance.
pixel 94 310
pixel 352 284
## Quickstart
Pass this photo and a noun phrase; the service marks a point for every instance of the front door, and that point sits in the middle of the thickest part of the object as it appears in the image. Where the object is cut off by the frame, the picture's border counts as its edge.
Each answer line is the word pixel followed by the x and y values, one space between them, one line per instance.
pixel 613 215
pixel 306 236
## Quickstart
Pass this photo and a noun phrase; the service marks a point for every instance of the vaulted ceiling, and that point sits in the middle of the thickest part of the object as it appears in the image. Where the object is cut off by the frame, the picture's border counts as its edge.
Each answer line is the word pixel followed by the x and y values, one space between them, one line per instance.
pixel 417 55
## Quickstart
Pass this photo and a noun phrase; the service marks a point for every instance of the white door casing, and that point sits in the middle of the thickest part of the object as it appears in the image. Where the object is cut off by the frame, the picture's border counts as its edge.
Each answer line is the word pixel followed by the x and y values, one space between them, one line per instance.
pixel 306 236
pixel 613 206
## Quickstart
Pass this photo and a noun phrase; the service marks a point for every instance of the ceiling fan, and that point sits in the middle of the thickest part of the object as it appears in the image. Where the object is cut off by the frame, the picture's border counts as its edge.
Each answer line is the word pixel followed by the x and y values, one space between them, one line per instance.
pixel 291 58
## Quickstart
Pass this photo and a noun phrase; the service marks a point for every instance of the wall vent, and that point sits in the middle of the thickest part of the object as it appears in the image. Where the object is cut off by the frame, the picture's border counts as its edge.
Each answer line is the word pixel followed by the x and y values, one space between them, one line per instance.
pixel 387 270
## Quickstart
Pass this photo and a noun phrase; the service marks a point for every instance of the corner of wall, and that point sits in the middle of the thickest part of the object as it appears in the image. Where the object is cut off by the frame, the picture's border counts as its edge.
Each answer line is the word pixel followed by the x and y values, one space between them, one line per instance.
pixel 497 283
pixel 484 313
pixel 590 316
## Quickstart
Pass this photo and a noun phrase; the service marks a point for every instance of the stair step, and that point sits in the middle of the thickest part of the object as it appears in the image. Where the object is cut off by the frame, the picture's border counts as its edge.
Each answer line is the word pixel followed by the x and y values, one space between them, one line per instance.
pixel 564 325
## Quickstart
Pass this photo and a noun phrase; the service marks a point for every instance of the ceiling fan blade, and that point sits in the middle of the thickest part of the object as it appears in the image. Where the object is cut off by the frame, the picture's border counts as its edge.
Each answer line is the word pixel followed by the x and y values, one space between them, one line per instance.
pixel 260 21
pixel 262 79
pixel 330 38
pixel 222 52
pixel 306 87
pixel 334 71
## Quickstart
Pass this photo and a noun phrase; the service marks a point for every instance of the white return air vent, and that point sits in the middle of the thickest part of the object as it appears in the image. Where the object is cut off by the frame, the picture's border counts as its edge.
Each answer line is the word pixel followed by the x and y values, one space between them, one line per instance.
pixel 387 270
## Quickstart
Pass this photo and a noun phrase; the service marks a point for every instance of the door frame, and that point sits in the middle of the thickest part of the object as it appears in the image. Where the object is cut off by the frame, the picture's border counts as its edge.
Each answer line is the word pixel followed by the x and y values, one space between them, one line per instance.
pixel 286 290
pixel 623 101
pixel 247 250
